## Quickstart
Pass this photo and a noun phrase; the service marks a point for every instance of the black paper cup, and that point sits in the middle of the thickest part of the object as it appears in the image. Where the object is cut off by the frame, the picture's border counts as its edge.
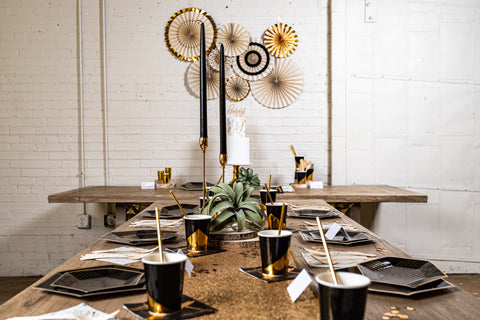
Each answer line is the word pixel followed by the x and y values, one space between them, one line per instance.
pixel 264 197
pixel 164 282
pixel 345 301
pixel 274 213
pixel 197 229
pixel 301 177
pixel 310 173
pixel 274 252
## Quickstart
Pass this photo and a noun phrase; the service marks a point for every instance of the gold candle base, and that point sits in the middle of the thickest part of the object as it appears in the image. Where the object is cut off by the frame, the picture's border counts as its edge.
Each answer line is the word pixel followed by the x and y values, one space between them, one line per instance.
pixel 235 174
pixel 223 162
pixel 203 141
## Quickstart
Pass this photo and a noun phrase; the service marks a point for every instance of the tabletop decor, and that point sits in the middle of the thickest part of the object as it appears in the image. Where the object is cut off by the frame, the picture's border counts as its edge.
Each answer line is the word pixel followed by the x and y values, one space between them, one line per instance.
pixel 233 207
pixel 182 33
pixel 248 178
pixel 255 63
pixel 281 87
pixel 234 37
pixel 237 88
pixel 280 40
pixel 193 80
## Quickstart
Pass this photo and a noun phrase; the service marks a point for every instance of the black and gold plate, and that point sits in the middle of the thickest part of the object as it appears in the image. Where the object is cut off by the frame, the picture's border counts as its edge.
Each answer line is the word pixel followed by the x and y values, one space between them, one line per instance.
pixel 191 308
pixel 397 271
pixel 258 274
pixel 313 213
pixel 46 285
pixel 172 212
pixel 194 186
pixel 139 237
pixel 98 279
pixel 437 285
pixel 356 237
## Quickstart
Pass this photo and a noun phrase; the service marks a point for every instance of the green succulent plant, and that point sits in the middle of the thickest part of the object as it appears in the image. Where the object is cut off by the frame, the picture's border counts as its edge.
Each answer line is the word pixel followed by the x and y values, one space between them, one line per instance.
pixel 247 177
pixel 234 207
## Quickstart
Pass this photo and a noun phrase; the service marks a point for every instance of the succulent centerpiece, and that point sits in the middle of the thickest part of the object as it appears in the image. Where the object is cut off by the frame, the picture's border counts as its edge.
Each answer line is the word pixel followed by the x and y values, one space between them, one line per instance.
pixel 247 177
pixel 233 207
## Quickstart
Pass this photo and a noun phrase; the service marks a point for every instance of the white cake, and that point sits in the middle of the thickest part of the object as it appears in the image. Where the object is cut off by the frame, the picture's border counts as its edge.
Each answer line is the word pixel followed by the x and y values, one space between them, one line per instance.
pixel 238 145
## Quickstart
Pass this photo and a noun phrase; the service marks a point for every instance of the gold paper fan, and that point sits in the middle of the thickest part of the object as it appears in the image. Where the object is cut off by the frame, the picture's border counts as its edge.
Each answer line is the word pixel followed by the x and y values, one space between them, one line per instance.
pixel 182 33
pixel 193 80
pixel 234 37
pixel 237 88
pixel 281 87
pixel 280 40
pixel 214 60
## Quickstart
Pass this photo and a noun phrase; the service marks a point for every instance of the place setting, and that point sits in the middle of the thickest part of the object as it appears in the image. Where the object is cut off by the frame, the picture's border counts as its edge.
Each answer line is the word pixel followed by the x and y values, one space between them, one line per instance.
pixel 337 234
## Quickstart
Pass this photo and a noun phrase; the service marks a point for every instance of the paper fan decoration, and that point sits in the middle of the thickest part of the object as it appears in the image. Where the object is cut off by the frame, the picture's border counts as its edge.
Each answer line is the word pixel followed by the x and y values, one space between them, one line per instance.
pixel 280 40
pixel 237 88
pixel 281 87
pixel 234 37
pixel 254 64
pixel 214 60
pixel 193 80
pixel 182 33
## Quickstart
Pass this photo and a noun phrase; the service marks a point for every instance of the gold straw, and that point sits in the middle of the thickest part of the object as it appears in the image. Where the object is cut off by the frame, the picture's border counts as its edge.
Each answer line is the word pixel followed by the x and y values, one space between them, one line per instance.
pixel 282 214
pixel 159 236
pixel 293 150
pixel 327 253
pixel 268 193
pixel 178 204
pixel 270 182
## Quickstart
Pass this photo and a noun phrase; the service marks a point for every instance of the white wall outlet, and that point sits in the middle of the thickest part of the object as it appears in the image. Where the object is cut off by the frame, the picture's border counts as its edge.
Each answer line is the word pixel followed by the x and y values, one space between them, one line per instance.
pixel 84 221
pixel 109 220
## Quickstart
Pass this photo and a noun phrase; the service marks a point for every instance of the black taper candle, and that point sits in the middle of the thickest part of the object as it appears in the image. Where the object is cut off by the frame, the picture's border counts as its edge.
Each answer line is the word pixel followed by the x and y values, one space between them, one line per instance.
pixel 223 129
pixel 203 85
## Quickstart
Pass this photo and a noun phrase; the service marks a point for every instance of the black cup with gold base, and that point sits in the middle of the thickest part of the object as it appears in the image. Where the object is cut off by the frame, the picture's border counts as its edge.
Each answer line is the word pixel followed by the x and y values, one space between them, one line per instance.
pixel 274 250
pixel 197 229
pixel 264 196
pixel 164 282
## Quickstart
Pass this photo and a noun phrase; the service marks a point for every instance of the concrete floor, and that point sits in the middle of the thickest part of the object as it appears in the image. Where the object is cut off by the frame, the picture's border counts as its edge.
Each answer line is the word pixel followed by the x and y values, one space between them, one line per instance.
pixel 10 286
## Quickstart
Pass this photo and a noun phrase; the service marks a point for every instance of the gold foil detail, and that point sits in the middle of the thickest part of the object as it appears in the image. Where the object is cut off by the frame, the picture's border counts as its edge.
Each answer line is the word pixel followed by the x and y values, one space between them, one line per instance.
pixel 274 222
pixel 197 241
pixel 155 307
pixel 280 40
pixel 278 268
pixel 237 88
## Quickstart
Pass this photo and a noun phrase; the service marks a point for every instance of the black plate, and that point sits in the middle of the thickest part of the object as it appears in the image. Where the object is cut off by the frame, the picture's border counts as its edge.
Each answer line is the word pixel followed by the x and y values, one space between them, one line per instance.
pixel 313 213
pixel 139 237
pixel 357 237
pixel 172 212
pixel 406 272
pixel 46 285
pixel 195 186
pixel 98 279
pixel 401 290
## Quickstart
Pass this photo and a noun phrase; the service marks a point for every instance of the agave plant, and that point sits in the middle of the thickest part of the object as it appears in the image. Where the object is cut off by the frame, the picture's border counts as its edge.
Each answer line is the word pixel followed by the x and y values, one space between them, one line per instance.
pixel 234 207
pixel 247 177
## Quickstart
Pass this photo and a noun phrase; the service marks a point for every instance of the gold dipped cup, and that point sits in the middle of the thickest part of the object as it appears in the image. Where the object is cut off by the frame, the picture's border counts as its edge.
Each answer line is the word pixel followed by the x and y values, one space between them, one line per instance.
pixel 197 230
pixel 274 250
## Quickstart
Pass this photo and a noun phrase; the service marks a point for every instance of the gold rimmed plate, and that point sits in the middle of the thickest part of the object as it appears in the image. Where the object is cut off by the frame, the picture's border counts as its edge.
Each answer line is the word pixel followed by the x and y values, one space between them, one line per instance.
pixel 172 212
pixel 139 237
pixel 356 237
pixel 313 213
pixel 405 272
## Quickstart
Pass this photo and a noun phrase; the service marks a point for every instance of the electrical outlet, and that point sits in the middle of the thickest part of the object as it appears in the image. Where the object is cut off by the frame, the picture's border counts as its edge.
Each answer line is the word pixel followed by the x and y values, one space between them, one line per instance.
pixel 83 221
pixel 109 220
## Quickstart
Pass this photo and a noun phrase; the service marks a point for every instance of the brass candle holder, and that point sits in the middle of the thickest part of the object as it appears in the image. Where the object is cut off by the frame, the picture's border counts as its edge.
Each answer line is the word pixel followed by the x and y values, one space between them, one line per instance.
pixel 235 173
pixel 203 141
pixel 223 158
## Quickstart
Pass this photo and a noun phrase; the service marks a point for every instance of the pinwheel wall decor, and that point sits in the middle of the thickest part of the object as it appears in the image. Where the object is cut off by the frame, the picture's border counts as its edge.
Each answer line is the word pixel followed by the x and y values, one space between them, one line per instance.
pixel 237 88
pixel 214 60
pixel 234 37
pixel 254 64
pixel 193 80
pixel 280 40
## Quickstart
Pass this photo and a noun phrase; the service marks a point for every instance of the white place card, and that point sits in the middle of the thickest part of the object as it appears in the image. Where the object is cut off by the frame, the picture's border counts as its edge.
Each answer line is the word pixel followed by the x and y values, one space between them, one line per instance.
pixel 188 264
pixel 316 184
pixel 335 228
pixel 299 284
pixel 148 185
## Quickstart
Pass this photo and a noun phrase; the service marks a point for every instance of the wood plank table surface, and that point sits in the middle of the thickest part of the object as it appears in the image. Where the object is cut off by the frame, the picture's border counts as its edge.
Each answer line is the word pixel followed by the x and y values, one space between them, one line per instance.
pixel 350 193
pixel 217 282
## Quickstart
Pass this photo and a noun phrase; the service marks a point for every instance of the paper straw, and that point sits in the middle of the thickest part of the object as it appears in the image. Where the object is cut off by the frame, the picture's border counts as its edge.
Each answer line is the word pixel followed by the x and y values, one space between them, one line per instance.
pixel 179 205
pixel 293 150
pixel 159 236
pixel 268 193
pixel 270 182
pixel 282 214
pixel 327 253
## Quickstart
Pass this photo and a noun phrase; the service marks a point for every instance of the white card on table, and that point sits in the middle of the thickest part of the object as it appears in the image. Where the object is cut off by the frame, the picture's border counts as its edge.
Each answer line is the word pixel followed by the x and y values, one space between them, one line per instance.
pixel 299 284
pixel 148 185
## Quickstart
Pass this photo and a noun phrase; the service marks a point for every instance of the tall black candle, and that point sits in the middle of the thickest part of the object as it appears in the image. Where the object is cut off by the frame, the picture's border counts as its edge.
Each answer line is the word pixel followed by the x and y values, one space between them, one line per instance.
pixel 203 85
pixel 223 129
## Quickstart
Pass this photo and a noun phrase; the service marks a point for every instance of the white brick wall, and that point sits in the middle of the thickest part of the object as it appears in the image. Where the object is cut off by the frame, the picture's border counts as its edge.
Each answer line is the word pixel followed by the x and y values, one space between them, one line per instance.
pixel 152 119
pixel 406 106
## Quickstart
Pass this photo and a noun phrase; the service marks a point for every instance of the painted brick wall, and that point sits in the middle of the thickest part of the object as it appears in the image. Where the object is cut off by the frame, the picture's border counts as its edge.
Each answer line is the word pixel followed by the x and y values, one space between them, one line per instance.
pixel 406 113
pixel 152 120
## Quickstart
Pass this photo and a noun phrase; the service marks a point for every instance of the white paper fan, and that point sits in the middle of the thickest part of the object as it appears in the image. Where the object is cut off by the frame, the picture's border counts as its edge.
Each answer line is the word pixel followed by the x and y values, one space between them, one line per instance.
pixel 193 80
pixel 237 88
pixel 182 33
pixel 214 60
pixel 254 64
pixel 234 37
pixel 281 87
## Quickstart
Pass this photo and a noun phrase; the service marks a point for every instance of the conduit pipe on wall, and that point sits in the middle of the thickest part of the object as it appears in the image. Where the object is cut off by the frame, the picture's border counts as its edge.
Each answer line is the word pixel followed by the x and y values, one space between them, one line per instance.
pixel 105 92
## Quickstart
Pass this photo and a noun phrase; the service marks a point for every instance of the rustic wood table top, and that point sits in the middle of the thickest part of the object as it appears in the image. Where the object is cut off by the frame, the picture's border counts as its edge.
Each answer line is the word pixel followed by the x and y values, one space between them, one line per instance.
pixel 217 282
pixel 351 193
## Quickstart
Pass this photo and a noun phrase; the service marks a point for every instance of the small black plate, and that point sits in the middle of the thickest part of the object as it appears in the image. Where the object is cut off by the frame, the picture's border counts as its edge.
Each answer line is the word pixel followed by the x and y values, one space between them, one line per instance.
pixel 313 213
pixel 356 237
pixel 139 237
pixel 195 186
pixel 172 212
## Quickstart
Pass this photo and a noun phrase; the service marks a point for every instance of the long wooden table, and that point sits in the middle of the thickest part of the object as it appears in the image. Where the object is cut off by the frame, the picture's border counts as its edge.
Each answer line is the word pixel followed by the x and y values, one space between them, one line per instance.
pixel 218 283
pixel 351 193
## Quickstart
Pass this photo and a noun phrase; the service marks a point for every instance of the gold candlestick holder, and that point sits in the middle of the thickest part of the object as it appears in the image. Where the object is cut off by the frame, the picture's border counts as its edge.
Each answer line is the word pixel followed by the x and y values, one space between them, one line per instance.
pixel 235 174
pixel 223 162
pixel 203 141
